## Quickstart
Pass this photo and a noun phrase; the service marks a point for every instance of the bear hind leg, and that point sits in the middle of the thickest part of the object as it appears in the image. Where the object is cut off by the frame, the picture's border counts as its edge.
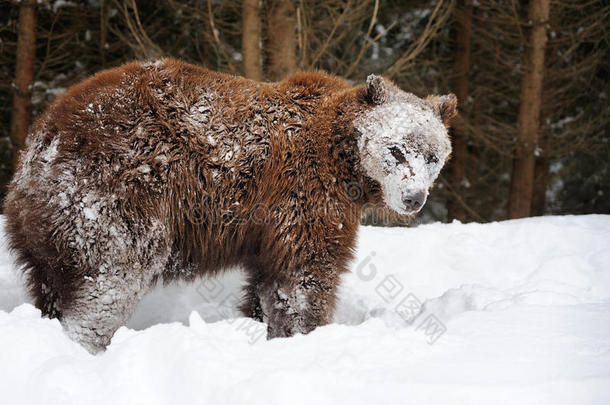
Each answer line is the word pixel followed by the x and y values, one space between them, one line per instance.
pixel 100 307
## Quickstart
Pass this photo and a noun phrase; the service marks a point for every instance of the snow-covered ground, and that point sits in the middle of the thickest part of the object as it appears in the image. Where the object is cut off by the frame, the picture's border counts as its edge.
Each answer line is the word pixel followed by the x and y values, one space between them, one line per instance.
pixel 512 312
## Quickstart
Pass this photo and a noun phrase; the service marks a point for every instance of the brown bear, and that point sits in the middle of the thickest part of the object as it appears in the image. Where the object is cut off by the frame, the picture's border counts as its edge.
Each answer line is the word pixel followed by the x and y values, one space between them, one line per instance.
pixel 166 171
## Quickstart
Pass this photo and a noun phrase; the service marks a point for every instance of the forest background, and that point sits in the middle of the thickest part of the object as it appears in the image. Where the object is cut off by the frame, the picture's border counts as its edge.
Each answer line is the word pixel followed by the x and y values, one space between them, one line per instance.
pixel 531 137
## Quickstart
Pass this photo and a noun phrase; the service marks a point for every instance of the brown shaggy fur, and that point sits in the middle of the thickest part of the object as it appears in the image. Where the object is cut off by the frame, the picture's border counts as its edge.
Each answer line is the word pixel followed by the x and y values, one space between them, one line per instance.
pixel 170 171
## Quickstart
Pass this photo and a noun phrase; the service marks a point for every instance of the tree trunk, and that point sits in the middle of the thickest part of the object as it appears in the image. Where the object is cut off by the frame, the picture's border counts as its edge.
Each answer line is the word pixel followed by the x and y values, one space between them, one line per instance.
pixel 282 40
pixel 540 184
pixel 251 39
pixel 461 66
pixel 103 31
pixel 24 74
pixel 522 182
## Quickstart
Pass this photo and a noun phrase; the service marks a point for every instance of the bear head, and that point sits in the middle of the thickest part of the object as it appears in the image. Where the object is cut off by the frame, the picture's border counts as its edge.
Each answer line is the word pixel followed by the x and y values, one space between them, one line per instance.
pixel 403 142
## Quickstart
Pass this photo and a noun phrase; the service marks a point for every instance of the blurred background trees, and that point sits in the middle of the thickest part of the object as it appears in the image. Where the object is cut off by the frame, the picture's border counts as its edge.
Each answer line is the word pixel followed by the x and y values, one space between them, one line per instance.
pixel 531 76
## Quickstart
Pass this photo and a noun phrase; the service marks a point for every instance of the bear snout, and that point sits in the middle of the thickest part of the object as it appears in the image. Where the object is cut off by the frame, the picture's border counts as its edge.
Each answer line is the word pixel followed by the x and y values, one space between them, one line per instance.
pixel 414 201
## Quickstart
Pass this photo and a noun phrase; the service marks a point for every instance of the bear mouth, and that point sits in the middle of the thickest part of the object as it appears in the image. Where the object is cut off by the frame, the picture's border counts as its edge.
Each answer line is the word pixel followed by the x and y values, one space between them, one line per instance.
pixel 402 211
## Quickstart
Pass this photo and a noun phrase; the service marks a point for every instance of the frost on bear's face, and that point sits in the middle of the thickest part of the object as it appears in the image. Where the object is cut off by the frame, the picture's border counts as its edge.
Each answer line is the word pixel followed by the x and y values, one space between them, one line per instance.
pixel 404 142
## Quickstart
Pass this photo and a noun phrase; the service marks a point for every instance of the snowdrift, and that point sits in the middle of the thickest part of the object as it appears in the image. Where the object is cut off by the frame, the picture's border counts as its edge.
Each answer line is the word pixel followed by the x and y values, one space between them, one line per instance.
pixel 508 312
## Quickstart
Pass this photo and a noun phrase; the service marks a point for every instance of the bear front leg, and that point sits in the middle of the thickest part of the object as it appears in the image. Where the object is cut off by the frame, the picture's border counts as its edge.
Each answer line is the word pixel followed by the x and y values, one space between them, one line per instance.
pixel 251 304
pixel 298 303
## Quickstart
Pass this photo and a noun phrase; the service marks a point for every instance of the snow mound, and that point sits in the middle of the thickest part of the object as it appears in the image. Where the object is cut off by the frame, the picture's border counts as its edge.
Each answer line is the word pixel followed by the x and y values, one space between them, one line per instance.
pixel 507 312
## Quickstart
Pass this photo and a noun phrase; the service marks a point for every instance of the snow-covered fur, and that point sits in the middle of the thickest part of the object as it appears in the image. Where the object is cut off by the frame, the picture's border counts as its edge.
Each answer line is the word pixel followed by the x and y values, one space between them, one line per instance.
pixel 403 145
pixel 165 171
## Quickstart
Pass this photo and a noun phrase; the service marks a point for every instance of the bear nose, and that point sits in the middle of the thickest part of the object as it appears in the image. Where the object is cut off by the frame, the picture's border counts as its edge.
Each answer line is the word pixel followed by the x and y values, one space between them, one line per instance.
pixel 414 201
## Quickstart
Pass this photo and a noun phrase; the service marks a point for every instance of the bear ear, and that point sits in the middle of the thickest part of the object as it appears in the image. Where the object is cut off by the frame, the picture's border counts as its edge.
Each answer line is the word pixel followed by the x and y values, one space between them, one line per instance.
pixel 445 106
pixel 376 91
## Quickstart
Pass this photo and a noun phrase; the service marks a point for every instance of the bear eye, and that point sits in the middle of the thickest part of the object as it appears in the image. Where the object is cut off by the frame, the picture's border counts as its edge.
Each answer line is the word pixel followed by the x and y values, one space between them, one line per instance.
pixel 398 155
pixel 431 158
